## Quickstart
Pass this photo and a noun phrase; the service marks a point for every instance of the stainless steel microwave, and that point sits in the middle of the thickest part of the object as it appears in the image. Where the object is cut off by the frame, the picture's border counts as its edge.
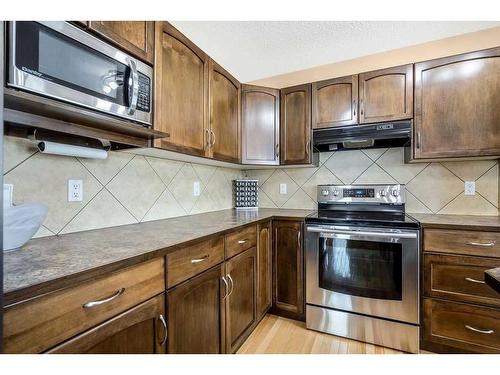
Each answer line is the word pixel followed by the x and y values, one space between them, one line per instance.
pixel 62 61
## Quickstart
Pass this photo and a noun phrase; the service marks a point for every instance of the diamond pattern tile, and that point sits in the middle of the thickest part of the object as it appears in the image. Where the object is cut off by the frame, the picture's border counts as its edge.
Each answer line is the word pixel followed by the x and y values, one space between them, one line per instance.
pixel 300 200
pixel 259 174
pixel 166 206
pixel 220 190
pixel 321 177
pixel 137 187
pixel 374 153
pixel 469 170
pixel 272 187
pixel 487 185
pixel 375 175
pixel 435 186
pixel 16 150
pixel 472 205
pixel 348 165
pixel 300 175
pixel 166 169
pixel 393 163
pixel 181 187
pixel 105 170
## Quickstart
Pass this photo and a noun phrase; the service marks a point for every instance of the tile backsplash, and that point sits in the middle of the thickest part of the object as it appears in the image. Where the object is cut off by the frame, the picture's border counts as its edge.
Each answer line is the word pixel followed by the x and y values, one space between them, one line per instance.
pixel 431 187
pixel 127 188
pixel 123 189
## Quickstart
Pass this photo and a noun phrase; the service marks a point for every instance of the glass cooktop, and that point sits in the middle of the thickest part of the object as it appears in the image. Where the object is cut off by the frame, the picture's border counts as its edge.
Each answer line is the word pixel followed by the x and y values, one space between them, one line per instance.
pixel 390 219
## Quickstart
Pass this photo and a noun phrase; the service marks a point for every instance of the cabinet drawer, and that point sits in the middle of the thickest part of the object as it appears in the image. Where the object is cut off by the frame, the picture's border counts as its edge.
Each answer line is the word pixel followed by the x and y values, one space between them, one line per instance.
pixel 241 240
pixel 192 260
pixel 462 242
pixel 39 324
pixel 463 326
pixel 459 278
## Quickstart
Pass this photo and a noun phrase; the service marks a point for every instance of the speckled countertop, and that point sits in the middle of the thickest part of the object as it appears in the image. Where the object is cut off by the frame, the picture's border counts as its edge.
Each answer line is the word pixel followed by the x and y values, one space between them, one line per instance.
pixel 46 264
pixel 491 223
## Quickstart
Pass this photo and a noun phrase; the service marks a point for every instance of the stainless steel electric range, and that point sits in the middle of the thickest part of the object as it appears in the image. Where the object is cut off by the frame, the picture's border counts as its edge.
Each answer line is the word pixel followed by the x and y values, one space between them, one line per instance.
pixel 362 266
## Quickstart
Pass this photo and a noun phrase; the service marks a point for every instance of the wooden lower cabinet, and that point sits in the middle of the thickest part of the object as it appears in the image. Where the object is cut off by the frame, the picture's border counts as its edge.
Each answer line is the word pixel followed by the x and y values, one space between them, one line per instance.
pixel 288 270
pixel 264 268
pixel 140 330
pixel 195 311
pixel 241 306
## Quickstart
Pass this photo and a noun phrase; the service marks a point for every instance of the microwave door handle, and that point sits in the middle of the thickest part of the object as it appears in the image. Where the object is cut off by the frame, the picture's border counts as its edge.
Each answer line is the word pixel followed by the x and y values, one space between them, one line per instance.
pixel 134 87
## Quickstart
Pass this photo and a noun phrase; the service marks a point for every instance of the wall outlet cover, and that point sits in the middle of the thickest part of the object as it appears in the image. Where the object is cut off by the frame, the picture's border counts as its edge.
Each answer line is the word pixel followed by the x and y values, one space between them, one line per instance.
pixel 8 190
pixel 75 190
pixel 196 188
pixel 470 188
pixel 283 188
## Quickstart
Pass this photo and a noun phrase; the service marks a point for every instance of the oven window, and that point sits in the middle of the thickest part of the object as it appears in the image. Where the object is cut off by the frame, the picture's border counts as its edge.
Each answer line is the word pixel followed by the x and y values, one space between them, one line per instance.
pixel 361 268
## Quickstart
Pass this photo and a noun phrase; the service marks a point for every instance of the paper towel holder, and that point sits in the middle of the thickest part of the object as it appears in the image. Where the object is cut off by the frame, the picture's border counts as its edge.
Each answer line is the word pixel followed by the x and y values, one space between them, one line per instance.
pixel 76 145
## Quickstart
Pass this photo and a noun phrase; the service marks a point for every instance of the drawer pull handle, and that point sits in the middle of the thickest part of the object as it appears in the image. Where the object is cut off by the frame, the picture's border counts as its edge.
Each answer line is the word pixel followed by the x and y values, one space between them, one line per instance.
pixel 483 244
pixel 226 288
pixel 242 241
pixel 204 257
pixel 474 280
pixel 164 323
pixel 484 331
pixel 117 294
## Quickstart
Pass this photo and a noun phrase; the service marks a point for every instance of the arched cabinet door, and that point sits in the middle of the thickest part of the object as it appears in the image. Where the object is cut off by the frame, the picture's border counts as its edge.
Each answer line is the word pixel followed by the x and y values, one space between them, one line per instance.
pixel 260 127
pixel 296 131
pixel 457 101
pixel 386 94
pixel 335 102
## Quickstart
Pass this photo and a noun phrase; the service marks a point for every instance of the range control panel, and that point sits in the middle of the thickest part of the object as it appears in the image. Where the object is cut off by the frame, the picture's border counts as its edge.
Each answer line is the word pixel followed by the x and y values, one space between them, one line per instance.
pixel 384 194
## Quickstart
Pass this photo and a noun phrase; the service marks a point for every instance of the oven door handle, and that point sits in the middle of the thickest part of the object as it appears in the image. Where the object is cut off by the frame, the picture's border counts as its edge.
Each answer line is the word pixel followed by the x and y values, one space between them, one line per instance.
pixel 361 233
pixel 134 87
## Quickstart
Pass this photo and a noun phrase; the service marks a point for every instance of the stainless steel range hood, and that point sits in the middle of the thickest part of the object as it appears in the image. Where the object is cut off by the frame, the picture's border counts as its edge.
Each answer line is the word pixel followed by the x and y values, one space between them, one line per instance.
pixel 389 134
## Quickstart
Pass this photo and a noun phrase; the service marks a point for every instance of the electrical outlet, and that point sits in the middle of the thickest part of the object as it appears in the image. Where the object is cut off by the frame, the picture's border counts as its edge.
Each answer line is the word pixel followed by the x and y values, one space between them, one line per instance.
pixel 196 188
pixel 75 190
pixel 470 188
pixel 283 188
pixel 8 190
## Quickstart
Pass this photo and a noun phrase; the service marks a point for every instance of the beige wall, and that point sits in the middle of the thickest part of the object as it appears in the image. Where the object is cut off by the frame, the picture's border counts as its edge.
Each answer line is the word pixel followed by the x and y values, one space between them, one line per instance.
pixel 440 48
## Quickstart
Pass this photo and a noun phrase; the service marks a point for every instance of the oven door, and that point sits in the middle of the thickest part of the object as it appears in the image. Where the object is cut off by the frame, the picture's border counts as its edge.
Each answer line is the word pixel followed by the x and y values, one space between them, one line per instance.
pixel 61 61
pixel 372 271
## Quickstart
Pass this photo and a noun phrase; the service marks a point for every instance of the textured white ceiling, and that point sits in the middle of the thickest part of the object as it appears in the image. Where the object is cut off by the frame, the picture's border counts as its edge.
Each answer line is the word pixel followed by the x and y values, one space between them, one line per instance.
pixel 253 50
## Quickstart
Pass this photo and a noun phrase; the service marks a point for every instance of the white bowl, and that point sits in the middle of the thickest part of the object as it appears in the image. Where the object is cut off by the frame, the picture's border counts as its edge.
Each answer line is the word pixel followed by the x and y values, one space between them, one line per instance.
pixel 20 223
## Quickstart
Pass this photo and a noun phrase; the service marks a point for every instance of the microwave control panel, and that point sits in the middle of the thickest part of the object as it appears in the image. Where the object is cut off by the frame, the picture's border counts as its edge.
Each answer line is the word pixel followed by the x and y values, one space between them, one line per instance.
pixel 144 96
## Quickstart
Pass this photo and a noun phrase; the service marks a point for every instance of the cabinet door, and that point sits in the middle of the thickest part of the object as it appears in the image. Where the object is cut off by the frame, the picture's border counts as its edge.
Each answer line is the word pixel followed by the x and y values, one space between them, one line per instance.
pixel 140 330
pixel 224 93
pixel 456 106
pixel 241 300
pixel 181 92
pixel 196 315
pixel 288 296
pixel 296 131
pixel 386 94
pixel 136 37
pixel 260 125
pixel 335 102
pixel 264 269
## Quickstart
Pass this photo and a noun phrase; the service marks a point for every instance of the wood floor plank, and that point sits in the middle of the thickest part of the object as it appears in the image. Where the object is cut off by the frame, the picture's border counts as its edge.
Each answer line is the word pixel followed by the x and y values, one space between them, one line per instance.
pixel 277 335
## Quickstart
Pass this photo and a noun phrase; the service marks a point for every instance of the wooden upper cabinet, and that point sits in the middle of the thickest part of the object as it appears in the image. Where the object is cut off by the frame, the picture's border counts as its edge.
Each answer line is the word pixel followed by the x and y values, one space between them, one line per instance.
pixel 386 94
pixel 296 131
pixel 140 330
pixel 136 37
pixel 195 311
pixel 181 92
pixel 260 128
pixel 457 101
pixel 224 93
pixel 335 102
pixel 241 300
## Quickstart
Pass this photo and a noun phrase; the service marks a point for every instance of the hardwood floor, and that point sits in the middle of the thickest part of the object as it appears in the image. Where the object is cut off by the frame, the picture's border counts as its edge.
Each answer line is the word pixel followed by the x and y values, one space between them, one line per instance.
pixel 276 335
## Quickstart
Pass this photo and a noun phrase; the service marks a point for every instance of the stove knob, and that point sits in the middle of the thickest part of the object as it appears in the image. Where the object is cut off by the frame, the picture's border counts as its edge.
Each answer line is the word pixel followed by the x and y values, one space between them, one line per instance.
pixel 382 193
pixel 335 192
pixel 395 193
pixel 325 193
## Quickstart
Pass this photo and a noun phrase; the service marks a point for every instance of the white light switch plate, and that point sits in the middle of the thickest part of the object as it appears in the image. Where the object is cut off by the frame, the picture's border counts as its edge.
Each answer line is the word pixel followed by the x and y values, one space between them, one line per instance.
pixel 75 190
pixel 283 188
pixel 8 190
pixel 196 188
pixel 470 188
